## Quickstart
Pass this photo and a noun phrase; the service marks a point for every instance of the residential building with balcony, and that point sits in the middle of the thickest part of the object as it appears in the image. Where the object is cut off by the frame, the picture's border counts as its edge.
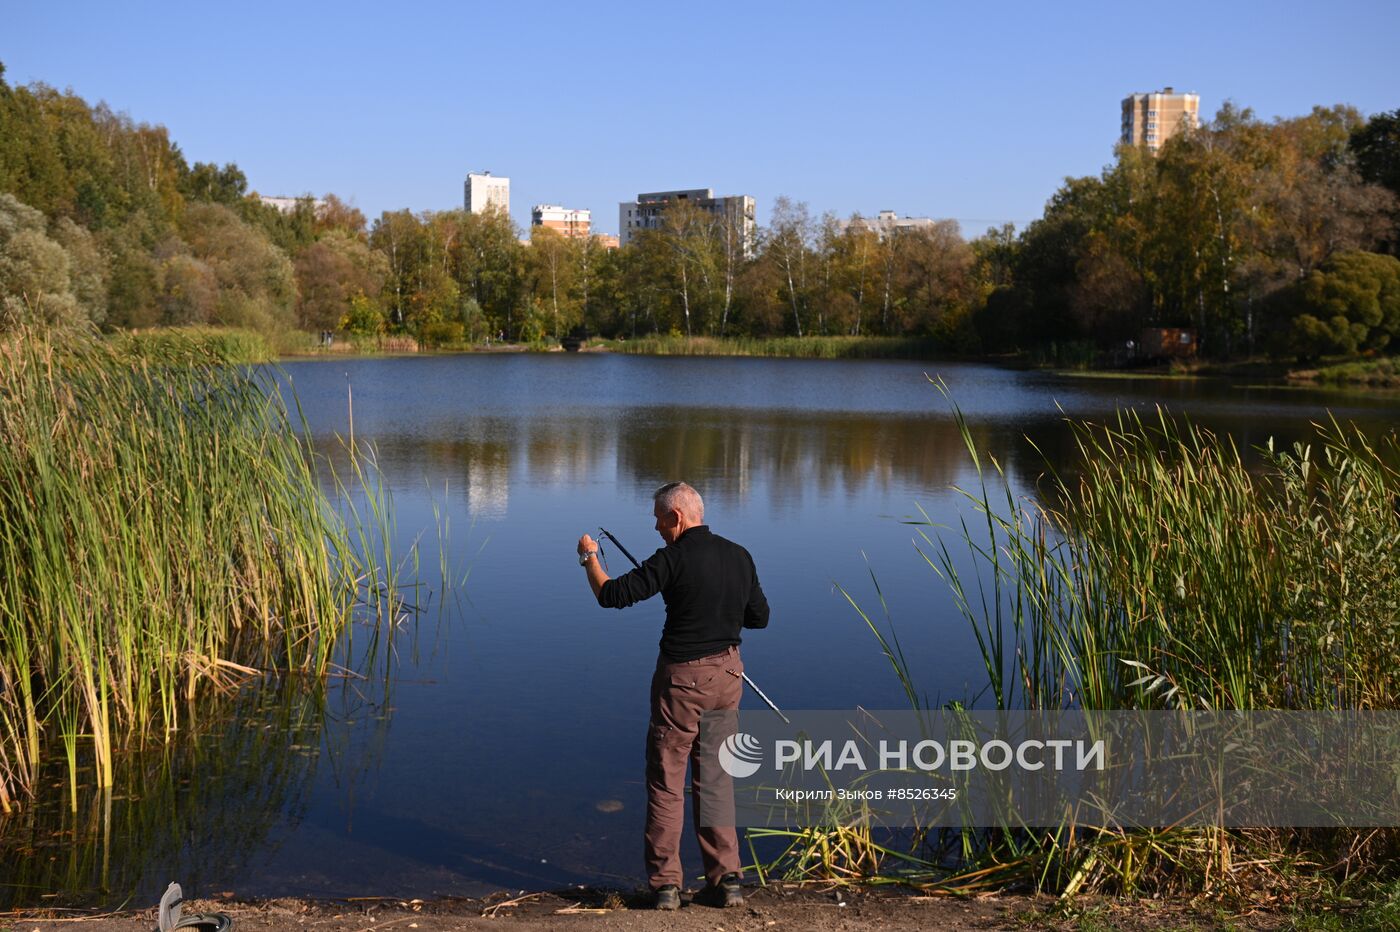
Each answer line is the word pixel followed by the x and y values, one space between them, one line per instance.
pixel 1151 119
pixel 648 210
pixel 575 224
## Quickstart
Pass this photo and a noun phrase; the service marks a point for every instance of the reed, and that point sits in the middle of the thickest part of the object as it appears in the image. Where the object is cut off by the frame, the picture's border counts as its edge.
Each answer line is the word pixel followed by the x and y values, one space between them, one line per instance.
pixel 1165 573
pixel 1160 571
pixel 163 532
pixel 224 344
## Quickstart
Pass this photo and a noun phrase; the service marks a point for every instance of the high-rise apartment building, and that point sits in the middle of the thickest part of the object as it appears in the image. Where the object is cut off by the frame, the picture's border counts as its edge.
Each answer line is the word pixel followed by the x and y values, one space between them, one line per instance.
pixel 645 213
pixel 574 224
pixel 483 190
pixel 1151 119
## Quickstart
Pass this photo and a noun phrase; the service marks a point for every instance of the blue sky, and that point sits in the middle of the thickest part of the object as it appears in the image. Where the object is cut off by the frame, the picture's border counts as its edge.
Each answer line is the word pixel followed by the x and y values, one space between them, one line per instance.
pixel 970 111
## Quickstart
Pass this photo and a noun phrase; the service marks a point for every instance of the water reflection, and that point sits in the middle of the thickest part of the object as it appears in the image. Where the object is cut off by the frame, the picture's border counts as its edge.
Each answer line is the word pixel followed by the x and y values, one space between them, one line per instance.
pixel 791 460
pixel 215 800
pixel 519 706
pixel 796 456
pixel 196 809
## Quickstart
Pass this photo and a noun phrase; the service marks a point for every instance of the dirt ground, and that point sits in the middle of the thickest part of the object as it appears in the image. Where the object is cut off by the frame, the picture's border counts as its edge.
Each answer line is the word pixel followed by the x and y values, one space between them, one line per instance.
pixel 772 908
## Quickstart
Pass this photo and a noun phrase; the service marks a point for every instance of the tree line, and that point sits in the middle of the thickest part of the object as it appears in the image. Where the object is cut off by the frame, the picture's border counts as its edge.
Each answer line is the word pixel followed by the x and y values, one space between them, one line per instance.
pixel 1262 236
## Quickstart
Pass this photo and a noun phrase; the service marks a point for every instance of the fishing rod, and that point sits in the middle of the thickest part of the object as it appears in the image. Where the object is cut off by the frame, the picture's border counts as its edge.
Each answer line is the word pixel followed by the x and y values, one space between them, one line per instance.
pixel 618 544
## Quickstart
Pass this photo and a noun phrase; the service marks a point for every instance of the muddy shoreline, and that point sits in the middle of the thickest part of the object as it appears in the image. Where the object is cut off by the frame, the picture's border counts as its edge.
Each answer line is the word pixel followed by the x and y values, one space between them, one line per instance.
pixel 778 906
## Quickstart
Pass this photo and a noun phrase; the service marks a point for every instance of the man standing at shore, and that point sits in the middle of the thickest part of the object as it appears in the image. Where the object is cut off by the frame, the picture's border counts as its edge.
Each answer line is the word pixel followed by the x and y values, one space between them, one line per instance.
pixel 711 591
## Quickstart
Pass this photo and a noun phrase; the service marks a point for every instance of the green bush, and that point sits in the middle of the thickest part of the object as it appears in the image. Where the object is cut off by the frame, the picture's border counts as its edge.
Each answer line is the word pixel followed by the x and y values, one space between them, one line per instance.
pixel 442 333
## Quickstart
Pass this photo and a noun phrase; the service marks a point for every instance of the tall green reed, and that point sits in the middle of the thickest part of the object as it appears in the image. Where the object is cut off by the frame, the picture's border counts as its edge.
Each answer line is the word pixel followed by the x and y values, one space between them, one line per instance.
pixel 1161 570
pixel 1165 572
pixel 163 530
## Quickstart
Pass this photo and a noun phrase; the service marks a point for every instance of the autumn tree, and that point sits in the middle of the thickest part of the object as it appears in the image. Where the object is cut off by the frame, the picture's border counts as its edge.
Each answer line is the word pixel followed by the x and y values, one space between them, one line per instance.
pixel 553 263
pixel 488 265
pixel 394 235
pixel 336 216
pixel 330 273
pixel 646 277
pixel 36 272
pixel 209 182
pixel 1350 303
pixel 255 280
pixel 787 246
pixel 851 272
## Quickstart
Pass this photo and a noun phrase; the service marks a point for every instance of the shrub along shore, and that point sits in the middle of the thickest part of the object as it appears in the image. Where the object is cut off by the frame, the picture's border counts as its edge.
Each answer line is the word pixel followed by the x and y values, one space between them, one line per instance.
pixel 249 346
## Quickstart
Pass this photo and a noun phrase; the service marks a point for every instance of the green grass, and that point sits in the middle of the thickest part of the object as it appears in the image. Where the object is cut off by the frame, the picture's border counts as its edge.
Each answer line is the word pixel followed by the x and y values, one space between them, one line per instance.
pixel 163 533
pixel 820 347
pixel 1381 373
pixel 1375 910
pixel 218 344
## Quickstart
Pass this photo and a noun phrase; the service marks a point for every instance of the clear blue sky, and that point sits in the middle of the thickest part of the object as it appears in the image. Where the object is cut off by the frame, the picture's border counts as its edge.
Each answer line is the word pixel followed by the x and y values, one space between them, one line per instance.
pixel 971 111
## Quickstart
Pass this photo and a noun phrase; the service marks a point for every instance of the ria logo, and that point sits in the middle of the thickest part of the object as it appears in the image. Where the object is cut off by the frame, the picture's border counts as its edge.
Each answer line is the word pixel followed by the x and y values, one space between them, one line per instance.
pixel 740 755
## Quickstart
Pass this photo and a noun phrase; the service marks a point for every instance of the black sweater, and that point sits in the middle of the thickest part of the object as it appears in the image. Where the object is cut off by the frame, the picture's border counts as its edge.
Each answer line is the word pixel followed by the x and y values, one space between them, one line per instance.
pixel 710 588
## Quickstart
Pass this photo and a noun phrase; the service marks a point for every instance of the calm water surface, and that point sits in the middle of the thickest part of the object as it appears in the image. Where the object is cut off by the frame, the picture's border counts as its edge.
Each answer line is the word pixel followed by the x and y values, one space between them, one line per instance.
pixel 511 729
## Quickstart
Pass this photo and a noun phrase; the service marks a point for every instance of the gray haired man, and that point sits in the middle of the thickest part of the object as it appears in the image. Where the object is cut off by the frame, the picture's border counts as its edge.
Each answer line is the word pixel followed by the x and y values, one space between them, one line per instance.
pixel 711 592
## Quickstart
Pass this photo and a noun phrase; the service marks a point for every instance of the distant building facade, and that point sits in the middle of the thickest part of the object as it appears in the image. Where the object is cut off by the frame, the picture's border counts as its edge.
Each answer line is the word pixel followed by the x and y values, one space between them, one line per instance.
pixel 288 205
pixel 575 224
pixel 483 190
pixel 1166 343
pixel 1151 119
pixel 646 212
pixel 607 240
pixel 887 221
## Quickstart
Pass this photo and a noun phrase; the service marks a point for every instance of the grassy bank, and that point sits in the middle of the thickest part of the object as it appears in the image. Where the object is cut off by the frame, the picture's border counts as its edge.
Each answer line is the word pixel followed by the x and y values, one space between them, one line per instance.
pixel 1376 373
pixel 786 347
pixel 220 345
pixel 1160 573
pixel 162 533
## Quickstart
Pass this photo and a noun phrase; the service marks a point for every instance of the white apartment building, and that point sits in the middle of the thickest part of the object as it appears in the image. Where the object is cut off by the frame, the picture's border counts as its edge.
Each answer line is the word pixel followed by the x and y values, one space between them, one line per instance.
pixel 483 190
pixel 645 213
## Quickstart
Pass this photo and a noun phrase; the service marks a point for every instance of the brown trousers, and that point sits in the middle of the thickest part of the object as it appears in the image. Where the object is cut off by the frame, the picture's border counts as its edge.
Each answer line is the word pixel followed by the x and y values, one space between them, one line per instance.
pixel 680 694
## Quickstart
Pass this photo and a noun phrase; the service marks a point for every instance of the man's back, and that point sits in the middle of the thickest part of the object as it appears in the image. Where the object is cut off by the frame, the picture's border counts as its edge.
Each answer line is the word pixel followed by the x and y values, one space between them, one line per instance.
pixel 710 588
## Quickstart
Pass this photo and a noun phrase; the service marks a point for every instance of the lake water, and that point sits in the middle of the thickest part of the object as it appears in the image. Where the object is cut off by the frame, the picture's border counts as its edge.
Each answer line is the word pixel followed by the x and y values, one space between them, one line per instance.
pixel 504 750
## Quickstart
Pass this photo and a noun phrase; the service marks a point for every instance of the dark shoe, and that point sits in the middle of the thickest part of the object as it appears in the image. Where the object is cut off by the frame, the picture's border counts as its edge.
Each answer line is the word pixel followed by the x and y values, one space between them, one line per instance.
pixel 732 891
pixel 668 897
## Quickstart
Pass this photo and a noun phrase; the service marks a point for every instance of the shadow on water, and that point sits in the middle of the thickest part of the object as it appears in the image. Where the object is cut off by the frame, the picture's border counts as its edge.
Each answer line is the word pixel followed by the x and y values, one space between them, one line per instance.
pixel 218 797
pixel 195 808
